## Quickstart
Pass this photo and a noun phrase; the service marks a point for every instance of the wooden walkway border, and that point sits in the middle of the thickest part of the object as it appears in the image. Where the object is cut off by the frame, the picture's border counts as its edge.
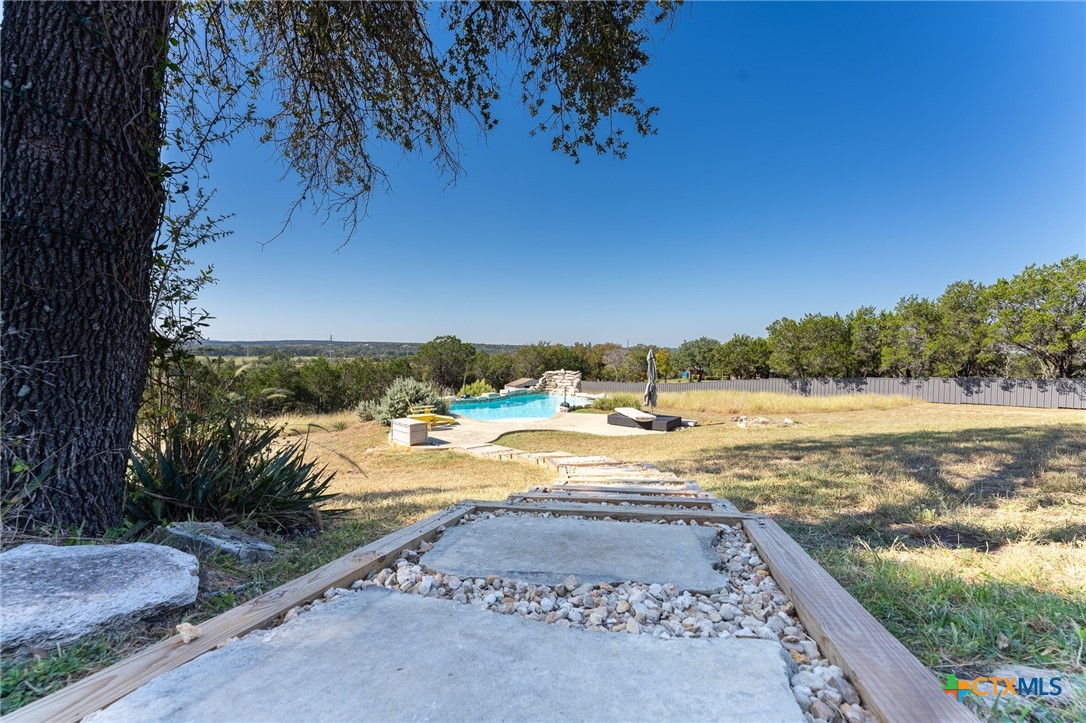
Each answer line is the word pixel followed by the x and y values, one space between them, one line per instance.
pixel 892 682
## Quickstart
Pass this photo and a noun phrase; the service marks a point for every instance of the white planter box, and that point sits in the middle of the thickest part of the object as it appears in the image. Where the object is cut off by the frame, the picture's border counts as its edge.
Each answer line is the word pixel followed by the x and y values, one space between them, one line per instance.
pixel 408 432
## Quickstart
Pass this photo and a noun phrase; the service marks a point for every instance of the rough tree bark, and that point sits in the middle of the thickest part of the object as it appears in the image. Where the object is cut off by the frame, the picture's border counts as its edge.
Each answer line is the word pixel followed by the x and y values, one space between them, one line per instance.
pixel 81 200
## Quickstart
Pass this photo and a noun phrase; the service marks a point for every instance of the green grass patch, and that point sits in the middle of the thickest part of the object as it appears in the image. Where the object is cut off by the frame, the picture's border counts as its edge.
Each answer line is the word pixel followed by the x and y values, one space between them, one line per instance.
pixel 939 610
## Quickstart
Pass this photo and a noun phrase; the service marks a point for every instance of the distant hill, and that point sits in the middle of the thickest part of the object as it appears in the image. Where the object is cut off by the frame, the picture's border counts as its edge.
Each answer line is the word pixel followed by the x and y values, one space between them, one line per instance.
pixel 314 347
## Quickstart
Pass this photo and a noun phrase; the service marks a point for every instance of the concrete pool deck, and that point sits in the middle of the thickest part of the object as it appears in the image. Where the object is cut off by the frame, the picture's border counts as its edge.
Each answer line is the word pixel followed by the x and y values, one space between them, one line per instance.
pixel 472 431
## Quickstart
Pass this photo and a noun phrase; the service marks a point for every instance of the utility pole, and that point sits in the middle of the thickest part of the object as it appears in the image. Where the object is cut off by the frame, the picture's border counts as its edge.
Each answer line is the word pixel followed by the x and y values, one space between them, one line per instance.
pixel 329 348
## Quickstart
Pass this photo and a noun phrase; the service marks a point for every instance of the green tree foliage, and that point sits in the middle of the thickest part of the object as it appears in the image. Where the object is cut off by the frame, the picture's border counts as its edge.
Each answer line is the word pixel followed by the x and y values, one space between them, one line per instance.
pixel 321 385
pixel 445 361
pixel 1042 311
pixel 497 369
pixel 637 362
pixel 272 385
pixel 611 361
pixel 744 357
pixel 531 360
pixel 787 348
pixel 866 327
pixel 665 368
pixel 366 380
pixel 1031 325
pixel 908 338
pixel 815 346
pixel 350 74
pixel 698 353
pixel 963 345
pixel 280 383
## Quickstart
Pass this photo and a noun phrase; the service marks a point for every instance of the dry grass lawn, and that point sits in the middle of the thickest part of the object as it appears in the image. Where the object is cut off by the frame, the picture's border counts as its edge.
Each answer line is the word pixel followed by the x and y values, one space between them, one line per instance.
pixel 963 529
pixel 390 487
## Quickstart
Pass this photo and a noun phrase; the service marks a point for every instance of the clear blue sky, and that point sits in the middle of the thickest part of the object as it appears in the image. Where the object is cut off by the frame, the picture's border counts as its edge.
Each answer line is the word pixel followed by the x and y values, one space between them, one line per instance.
pixel 810 158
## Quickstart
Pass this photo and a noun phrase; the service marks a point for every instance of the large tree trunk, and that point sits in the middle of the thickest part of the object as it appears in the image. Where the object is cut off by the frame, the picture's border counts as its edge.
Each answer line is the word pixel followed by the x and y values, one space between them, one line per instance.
pixel 82 198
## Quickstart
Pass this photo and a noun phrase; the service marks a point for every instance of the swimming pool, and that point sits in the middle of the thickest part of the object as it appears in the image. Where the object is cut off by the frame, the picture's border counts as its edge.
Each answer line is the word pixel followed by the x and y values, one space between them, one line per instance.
pixel 520 406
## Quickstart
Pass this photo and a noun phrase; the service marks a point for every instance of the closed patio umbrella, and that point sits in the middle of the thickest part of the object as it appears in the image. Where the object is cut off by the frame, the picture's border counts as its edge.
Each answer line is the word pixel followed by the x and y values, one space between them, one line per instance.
pixel 650 387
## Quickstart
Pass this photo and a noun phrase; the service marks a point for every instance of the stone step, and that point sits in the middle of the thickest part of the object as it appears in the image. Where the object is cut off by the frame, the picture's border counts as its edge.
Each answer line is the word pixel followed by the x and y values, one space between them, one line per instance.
pixel 488 450
pixel 625 489
pixel 542 457
pixel 573 461
pixel 617 474
pixel 600 469
pixel 611 498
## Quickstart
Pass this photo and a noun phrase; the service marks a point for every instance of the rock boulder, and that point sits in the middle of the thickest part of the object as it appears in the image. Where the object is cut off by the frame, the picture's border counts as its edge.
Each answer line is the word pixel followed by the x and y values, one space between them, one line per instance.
pixel 53 595
pixel 204 537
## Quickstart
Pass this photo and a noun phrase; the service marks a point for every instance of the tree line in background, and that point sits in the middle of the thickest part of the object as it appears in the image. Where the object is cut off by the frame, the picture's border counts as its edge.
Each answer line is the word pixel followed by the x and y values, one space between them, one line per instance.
pixel 1032 325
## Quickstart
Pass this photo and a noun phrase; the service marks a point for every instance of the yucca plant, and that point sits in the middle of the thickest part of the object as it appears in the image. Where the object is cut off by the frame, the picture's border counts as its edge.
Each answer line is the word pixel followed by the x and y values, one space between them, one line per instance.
pixel 226 469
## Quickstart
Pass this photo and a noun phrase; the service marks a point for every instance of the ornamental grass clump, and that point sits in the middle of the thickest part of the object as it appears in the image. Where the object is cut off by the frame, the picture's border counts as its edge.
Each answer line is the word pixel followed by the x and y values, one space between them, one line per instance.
pixel 476 389
pixel 399 398
pixel 611 401
pixel 227 469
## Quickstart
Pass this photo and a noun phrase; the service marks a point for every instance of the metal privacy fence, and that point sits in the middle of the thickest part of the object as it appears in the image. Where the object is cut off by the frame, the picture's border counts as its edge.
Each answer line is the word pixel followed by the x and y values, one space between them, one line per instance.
pixel 1051 393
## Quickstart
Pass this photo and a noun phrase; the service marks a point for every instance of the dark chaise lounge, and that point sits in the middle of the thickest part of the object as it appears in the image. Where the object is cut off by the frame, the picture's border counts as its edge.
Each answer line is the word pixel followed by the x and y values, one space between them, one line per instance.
pixel 662 422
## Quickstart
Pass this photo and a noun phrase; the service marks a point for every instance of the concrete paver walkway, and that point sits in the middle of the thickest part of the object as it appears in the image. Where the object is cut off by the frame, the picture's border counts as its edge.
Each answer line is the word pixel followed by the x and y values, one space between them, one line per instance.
pixel 390 654
pixel 384 656
pixel 546 550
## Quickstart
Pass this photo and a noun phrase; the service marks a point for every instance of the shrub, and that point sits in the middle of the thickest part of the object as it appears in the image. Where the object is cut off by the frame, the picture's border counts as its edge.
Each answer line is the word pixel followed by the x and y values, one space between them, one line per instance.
pixel 401 395
pixel 476 389
pixel 609 402
pixel 367 410
pixel 226 469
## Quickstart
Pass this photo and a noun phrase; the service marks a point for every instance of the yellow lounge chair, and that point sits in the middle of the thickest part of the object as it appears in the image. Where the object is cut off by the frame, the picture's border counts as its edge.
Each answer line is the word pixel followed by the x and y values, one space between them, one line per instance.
pixel 425 413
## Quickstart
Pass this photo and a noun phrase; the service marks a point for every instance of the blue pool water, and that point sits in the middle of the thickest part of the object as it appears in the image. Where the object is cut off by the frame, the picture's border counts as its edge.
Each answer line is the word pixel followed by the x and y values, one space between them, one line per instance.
pixel 521 406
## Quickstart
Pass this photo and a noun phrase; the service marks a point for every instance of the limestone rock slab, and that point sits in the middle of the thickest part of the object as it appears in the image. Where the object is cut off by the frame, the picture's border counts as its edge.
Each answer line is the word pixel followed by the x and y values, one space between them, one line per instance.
pixel 53 595
pixel 386 656
pixel 545 550
pixel 204 537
